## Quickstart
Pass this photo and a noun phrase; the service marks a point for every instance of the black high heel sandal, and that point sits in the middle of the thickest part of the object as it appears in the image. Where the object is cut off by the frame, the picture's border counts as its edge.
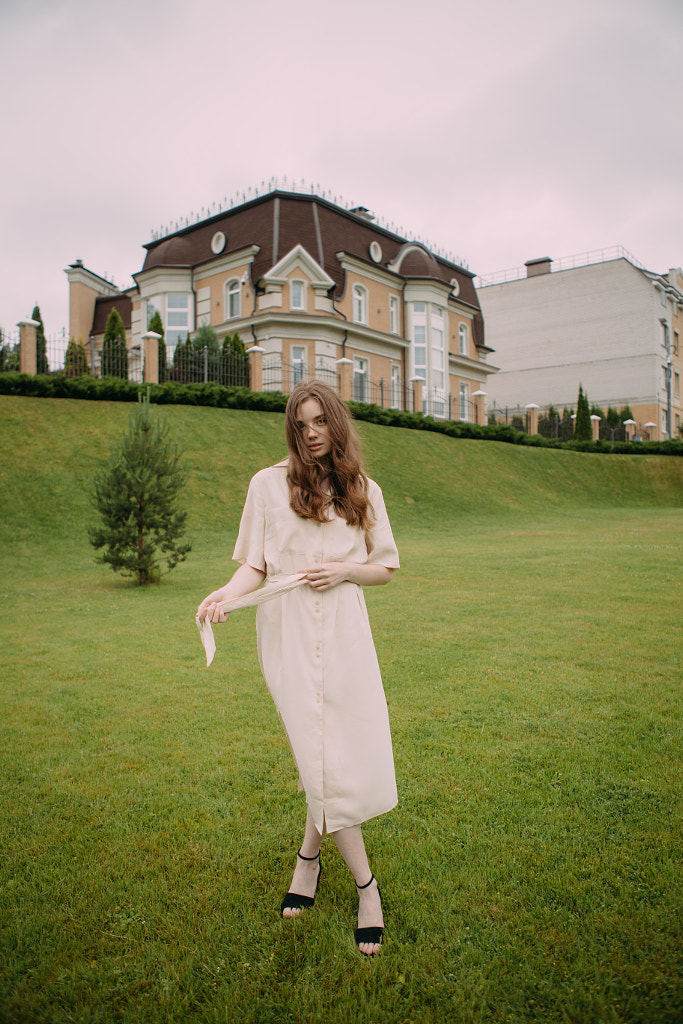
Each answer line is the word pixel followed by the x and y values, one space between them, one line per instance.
pixel 294 900
pixel 373 934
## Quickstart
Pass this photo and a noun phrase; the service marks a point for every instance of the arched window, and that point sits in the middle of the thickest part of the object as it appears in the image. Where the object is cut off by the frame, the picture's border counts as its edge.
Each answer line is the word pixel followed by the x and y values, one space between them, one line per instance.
pixel 360 304
pixel 463 340
pixel 233 299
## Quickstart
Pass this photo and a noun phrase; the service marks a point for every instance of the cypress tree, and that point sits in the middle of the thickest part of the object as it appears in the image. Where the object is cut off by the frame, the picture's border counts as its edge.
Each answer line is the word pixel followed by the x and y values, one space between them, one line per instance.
pixel 136 495
pixel 114 361
pixel 42 365
pixel 583 430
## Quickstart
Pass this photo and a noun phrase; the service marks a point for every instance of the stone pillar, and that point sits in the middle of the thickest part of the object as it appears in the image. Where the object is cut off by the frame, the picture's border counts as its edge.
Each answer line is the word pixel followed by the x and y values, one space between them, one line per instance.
pixel 531 418
pixel 150 357
pixel 630 429
pixel 418 383
pixel 595 424
pixel 345 370
pixel 479 406
pixel 255 368
pixel 28 355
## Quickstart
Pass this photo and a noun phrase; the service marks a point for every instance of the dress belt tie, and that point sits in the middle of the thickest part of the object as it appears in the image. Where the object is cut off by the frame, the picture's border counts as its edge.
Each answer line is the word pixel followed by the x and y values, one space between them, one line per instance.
pixel 274 586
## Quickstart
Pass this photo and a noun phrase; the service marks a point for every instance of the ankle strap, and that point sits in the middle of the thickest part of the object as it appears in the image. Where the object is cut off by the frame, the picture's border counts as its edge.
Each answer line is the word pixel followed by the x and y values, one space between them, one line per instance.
pixel 300 854
pixel 372 879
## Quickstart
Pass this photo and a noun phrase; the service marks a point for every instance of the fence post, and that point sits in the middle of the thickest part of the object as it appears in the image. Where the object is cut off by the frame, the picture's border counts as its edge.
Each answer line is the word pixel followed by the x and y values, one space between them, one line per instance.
pixel 531 418
pixel 28 340
pixel 345 379
pixel 595 424
pixel 150 357
pixel 255 354
pixel 630 426
pixel 417 383
pixel 479 408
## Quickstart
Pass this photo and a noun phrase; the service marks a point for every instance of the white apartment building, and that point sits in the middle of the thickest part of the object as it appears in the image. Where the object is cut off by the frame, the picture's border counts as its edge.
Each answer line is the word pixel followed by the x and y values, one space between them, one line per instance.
pixel 600 320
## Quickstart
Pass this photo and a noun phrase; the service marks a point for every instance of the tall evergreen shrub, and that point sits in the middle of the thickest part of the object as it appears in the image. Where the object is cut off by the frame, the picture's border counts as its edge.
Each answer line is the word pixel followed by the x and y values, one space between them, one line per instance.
pixel 42 365
pixel 583 430
pixel 114 361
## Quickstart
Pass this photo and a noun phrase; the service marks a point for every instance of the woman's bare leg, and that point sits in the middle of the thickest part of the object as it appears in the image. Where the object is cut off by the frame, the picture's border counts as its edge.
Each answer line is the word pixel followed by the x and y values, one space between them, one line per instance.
pixel 305 879
pixel 350 843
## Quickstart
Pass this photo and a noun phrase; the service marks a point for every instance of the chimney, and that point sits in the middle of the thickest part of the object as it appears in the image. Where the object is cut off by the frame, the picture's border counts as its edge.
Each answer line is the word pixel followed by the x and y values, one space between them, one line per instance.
pixel 362 211
pixel 534 268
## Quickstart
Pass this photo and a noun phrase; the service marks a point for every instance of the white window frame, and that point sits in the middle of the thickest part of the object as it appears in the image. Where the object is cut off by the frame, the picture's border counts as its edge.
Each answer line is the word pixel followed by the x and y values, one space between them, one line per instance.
pixel 359 297
pixel 464 402
pixel 428 335
pixel 463 340
pixel 395 386
pixel 302 284
pixel 181 315
pixel 299 370
pixel 394 315
pixel 361 379
pixel 233 290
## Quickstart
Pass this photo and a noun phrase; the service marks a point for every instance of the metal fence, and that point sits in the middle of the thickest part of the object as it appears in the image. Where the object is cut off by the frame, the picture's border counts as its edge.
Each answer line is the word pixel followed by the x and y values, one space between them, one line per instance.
pixel 280 375
pixel 9 352
pixel 556 426
pixel 187 364
pixel 201 366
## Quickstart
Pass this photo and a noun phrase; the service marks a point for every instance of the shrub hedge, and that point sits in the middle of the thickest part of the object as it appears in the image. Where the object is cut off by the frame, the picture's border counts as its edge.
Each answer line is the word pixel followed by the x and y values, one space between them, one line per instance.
pixel 114 389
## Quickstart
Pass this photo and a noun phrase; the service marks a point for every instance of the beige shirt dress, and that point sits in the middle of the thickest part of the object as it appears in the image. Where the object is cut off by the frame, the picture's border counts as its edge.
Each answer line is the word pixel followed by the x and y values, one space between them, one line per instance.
pixel 317 654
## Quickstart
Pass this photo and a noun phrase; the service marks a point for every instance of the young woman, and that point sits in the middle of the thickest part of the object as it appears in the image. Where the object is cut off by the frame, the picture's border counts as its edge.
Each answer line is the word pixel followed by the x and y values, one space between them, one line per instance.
pixel 318 513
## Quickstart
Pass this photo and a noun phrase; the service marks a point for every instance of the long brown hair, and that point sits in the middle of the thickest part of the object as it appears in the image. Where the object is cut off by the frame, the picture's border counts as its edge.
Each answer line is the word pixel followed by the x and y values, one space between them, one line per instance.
pixel 341 471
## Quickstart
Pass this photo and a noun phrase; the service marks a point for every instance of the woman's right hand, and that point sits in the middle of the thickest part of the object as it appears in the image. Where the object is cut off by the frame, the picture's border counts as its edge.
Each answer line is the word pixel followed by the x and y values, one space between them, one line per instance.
pixel 245 580
pixel 211 609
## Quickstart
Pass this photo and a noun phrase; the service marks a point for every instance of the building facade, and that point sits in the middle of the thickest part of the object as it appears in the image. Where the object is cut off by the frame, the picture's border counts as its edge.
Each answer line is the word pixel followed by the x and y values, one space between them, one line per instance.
pixel 607 324
pixel 308 283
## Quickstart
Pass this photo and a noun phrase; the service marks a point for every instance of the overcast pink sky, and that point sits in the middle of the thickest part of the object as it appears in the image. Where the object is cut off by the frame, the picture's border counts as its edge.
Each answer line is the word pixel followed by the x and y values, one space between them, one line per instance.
pixel 499 130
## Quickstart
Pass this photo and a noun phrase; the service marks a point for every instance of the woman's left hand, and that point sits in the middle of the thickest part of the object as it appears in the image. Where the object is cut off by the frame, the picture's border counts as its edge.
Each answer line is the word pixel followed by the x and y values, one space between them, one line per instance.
pixel 327 574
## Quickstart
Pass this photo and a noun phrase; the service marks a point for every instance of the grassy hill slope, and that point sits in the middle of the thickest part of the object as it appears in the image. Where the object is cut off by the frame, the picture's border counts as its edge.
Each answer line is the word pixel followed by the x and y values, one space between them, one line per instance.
pixel 530 652
pixel 52 447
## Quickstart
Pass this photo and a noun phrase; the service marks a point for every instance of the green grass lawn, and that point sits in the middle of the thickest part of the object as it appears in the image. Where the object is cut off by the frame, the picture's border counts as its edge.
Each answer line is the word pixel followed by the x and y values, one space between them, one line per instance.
pixel 531 651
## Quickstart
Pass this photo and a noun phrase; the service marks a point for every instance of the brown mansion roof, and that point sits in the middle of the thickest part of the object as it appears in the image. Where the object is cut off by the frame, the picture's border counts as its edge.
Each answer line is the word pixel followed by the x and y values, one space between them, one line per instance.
pixel 278 221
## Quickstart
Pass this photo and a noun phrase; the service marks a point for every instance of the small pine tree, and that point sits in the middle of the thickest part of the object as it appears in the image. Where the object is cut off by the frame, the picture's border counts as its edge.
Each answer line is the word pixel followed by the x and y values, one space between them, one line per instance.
pixel 135 495
pixel 583 430
pixel 75 359
pixel 114 361
pixel 156 324
pixel 42 365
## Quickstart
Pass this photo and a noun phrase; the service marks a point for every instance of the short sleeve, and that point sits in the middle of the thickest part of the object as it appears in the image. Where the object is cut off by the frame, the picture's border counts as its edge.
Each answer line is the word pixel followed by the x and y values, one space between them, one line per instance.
pixel 249 548
pixel 379 539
